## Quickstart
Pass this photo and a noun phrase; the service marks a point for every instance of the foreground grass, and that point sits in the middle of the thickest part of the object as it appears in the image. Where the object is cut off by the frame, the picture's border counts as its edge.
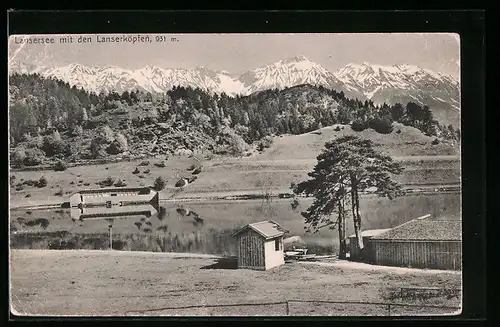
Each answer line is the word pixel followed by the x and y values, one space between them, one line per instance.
pixel 137 283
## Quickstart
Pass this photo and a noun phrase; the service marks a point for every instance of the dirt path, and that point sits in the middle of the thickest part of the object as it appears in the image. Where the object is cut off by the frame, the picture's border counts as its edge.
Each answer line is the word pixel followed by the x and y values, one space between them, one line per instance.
pixel 364 266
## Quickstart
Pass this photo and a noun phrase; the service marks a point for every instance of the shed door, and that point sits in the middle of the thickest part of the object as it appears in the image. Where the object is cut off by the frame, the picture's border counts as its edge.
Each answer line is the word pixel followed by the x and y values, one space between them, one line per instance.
pixel 251 251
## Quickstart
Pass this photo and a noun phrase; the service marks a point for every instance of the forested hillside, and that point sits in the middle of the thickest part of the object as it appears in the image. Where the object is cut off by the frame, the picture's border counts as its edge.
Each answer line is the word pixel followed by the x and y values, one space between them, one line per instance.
pixel 50 121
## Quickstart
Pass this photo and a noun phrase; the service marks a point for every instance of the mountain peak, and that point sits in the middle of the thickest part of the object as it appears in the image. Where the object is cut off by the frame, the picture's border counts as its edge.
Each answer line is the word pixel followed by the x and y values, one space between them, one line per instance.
pixel 149 67
pixel 298 58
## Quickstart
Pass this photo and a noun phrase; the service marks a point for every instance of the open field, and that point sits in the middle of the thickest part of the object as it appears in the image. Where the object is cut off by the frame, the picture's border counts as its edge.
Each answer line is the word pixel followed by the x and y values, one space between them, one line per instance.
pixel 288 160
pixel 409 142
pixel 218 176
pixel 138 283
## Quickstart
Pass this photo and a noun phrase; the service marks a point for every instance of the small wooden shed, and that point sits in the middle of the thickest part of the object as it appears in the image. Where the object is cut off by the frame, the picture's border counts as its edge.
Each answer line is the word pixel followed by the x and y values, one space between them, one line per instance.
pixel 260 245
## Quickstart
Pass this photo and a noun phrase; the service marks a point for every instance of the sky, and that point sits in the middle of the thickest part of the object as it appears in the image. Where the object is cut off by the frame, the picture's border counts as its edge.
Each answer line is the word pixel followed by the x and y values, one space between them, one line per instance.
pixel 237 53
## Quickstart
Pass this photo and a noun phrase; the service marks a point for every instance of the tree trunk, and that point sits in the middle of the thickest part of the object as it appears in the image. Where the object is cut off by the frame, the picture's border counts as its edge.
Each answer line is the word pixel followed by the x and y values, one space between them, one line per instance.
pixel 341 227
pixel 355 214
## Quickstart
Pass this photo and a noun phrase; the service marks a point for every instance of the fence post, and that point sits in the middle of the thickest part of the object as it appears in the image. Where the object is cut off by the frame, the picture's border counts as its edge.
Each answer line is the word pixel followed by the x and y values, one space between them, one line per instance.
pixel 287 309
pixel 389 309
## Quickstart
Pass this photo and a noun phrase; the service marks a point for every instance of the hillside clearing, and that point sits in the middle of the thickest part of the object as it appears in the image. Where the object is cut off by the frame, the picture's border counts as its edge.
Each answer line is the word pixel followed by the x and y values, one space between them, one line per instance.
pixel 409 142
pixel 136 283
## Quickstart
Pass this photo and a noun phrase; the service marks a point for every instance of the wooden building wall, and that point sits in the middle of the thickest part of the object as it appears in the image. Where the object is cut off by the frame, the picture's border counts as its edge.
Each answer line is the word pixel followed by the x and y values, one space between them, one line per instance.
pixel 273 257
pixel 416 254
pixel 354 252
pixel 251 250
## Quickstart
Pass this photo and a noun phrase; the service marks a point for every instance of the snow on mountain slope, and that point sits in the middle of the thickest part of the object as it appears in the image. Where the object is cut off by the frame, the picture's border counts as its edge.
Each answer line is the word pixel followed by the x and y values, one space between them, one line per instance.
pixel 290 72
pixel 405 83
pixel 390 84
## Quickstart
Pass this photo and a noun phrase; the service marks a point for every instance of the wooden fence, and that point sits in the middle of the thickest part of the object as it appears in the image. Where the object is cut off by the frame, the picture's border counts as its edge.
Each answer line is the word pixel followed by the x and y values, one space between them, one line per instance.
pixel 416 254
pixel 303 308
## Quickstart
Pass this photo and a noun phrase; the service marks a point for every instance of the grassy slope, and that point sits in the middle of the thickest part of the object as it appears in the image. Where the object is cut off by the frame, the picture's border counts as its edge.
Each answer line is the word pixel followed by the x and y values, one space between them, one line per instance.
pixel 288 160
pixel 107 283
pixel 410 142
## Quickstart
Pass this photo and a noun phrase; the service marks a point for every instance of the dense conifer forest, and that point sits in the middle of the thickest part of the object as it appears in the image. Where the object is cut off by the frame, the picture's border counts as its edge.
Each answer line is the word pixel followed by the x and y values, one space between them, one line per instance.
pixel 50 120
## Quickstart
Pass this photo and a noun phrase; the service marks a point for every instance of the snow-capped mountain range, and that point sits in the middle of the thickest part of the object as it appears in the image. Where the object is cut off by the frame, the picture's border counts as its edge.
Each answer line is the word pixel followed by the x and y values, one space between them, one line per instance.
pixel 390 84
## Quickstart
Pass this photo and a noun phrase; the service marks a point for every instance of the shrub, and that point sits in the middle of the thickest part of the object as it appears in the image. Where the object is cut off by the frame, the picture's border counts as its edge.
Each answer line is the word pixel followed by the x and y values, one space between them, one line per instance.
pixel 42 182
pixel 138 224
pixel 86 184
pixel 59 193
pixel 119 145
pixel 337 129
pixel 121 142
pixel 31 182
pixel 358 126
pixel 77 130
pixel 109 181
pixel 97 148
pixel 33 157
pixel 381 125
pixel 398 131
pixel 119 245
pixel 136 171
pixel 35 142
pixel 60 166
pixel 147 230
pixel 231 143
pixel 265 143
pixel 147 171
pixel 149 223
pixel 160 165
pixel 53 146
pixel 44 223
pixel 18 156
pixel 144 163
pixel 162 213
pixel 162 228
pixel 159 184
pixel 435 142
pixel 27 195
pixel 31 223
pixel 120 183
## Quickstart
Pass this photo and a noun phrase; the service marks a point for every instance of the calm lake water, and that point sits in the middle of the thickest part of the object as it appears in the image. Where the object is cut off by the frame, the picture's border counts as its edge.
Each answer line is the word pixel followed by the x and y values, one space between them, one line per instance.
pixel 223 215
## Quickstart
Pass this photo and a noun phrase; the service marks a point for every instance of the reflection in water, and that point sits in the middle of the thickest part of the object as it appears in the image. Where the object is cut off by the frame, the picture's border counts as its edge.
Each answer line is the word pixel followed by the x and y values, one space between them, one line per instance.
pixel 199 222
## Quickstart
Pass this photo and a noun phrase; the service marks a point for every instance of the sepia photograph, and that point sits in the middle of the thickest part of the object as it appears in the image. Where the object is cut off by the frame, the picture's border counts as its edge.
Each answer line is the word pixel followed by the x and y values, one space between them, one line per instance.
pixel 311 174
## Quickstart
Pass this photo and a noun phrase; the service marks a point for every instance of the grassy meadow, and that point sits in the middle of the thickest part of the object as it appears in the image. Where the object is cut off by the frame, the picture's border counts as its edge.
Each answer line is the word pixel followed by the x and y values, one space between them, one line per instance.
pixel 288 160
pixel 138 283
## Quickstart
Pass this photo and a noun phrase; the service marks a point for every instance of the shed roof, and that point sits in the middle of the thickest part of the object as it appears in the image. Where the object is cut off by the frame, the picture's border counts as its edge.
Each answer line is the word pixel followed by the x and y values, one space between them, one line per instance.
pixel 135 190
pixel 371 232
pixel 267 229
pixel 425 230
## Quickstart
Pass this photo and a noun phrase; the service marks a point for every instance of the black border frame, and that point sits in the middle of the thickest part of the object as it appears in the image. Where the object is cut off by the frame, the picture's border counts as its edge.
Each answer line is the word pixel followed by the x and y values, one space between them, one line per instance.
pixel 469 24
